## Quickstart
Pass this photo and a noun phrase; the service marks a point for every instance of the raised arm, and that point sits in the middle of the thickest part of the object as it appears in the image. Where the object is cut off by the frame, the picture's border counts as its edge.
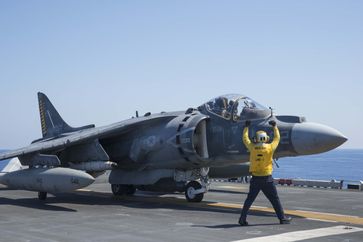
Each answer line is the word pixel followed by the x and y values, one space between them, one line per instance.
pixel 246 139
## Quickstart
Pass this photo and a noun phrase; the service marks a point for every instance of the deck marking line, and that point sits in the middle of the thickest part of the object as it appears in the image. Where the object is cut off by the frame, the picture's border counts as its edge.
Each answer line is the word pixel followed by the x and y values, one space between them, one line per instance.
pixel 304 234
pixel 233 188
pixel 322 213
pixel 306 214
pixel 321 220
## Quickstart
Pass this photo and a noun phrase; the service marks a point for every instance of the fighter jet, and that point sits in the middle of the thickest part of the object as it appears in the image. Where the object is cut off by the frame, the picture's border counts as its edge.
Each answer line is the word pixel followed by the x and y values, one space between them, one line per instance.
pixel 167 151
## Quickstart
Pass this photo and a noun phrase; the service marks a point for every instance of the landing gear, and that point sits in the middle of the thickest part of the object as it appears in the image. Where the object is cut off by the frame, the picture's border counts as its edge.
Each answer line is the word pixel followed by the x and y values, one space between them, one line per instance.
pixel 42 196
pixel 197 183
pixel 121 189
pixel 194 192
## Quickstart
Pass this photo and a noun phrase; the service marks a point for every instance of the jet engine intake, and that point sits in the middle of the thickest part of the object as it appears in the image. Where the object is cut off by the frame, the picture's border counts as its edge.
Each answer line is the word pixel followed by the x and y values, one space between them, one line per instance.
pixel 191 138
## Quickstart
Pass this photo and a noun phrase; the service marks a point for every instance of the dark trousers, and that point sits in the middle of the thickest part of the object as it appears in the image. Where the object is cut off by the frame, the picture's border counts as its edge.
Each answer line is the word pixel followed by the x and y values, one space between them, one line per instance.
pixel 266 184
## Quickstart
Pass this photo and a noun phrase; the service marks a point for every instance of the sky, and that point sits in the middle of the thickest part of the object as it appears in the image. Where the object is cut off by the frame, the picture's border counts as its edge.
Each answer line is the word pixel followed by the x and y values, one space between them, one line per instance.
pixel 99 61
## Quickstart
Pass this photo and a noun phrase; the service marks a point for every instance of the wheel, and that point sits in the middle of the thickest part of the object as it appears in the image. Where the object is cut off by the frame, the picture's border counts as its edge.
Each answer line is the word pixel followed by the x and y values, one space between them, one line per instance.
pixel 117 189
pixel 42 196
pixel 189 192
pixel 130 190
pixel 121 189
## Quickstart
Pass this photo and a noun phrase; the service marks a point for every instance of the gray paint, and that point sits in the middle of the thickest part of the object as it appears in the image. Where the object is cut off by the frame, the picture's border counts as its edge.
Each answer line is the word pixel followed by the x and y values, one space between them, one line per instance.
pixel 309 138
pixel 147 177
pixel 51 180
pixel 52 123
pixel 147 146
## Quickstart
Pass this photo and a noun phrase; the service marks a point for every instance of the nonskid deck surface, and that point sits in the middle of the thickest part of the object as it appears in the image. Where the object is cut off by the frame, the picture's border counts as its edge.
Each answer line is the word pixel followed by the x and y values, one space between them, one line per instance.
pixel 93 214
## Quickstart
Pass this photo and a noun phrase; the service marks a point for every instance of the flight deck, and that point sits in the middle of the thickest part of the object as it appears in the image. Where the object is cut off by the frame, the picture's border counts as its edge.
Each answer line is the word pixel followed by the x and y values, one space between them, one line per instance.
pixel 94 214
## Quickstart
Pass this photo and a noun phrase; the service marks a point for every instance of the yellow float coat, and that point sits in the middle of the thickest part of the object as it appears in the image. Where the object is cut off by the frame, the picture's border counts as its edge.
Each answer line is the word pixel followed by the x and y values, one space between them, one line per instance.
pixel 261 154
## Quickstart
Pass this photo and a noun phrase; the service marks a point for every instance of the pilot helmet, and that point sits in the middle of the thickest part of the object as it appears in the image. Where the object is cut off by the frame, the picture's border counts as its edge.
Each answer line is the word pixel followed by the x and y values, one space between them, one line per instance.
pixel 262 137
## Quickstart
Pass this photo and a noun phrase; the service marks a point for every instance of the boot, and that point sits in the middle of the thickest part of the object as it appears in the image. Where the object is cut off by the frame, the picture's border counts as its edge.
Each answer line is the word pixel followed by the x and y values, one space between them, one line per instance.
pixel 242 222
pixel 285 220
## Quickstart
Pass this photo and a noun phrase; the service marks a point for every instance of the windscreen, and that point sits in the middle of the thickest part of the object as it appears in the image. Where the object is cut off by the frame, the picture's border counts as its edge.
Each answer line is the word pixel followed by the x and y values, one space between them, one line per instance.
pixel 236 107
pixel 246 108
pixel 223 106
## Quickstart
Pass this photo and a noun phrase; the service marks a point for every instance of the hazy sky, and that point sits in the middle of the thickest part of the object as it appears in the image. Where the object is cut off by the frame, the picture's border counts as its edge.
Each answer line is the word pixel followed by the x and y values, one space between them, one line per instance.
pixel 99 61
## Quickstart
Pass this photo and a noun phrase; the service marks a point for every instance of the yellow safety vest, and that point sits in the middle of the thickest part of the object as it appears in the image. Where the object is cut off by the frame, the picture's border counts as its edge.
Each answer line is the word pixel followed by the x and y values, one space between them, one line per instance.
pixel 261 155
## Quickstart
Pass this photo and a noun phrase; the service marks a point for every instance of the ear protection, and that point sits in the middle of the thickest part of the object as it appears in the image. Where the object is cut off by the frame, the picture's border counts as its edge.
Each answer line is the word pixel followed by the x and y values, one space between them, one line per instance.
pixel 261 137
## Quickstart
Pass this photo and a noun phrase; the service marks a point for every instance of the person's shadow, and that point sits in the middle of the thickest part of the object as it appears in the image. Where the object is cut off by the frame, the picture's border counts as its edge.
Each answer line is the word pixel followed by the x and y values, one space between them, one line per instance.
pixel 229 226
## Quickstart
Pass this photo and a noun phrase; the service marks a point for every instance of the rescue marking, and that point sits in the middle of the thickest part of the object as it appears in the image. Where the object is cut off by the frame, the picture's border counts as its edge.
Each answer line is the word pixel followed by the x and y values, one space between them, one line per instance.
pixel 305 234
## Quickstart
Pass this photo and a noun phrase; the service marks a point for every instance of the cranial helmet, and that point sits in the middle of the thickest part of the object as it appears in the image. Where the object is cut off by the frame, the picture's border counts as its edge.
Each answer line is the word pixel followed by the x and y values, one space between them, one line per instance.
pixel 262 137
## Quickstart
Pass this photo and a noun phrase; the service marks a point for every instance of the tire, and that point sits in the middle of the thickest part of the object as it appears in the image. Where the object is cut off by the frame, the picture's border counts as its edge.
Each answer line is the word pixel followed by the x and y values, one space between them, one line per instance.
pixel 130 190
pixel 121 189
pixel 42 196
pixel 191 186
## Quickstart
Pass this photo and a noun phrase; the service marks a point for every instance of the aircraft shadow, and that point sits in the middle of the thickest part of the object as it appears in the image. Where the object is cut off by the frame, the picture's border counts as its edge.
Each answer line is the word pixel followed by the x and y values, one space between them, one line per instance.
pixel 141 200
pixel 34 203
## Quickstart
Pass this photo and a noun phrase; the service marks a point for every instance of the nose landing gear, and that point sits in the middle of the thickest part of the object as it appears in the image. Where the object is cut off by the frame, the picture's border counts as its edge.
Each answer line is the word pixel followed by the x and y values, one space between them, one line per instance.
pixel 194 192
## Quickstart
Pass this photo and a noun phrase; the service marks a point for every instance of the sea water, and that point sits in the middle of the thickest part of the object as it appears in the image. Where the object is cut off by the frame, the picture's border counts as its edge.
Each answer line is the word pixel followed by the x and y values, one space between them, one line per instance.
pixel 339 164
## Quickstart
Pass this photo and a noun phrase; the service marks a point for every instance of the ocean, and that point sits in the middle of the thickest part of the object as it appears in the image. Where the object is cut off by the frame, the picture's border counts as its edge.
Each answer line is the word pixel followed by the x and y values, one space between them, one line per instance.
pixel 339 164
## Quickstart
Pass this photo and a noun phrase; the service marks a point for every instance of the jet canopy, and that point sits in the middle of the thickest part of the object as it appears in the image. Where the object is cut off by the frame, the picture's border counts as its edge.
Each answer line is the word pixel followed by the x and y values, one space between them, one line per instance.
pixel 236 107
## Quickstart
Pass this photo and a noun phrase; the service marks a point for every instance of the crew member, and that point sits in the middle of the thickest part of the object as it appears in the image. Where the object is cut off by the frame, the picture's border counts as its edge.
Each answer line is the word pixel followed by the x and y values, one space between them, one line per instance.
pixel 261 162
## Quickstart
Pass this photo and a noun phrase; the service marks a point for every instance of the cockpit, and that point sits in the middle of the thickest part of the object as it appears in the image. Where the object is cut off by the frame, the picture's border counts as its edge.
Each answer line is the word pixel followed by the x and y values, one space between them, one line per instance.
pixel 236 107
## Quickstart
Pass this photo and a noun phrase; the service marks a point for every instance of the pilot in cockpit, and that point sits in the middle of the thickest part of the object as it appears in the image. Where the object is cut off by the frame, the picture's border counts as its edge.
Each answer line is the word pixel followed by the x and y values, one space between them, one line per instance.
pixel 220 106
pixel 230 106
pixel 232 109
pixel 236 107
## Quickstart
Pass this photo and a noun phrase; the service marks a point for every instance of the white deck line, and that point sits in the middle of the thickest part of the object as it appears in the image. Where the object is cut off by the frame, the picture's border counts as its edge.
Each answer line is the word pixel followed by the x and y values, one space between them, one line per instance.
pixel 305 234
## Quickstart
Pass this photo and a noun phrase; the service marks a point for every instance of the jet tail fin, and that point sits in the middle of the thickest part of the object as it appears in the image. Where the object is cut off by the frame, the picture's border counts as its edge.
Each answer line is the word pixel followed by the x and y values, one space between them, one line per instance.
pixel 52 123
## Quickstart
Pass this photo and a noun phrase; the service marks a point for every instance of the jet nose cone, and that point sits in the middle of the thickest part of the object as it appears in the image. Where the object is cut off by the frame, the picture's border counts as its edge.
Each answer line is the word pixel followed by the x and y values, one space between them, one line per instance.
pixel 313 138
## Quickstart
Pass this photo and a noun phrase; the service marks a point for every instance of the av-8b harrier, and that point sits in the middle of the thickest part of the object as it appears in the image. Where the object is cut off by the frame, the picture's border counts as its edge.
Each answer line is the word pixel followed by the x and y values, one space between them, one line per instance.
pixel 167 151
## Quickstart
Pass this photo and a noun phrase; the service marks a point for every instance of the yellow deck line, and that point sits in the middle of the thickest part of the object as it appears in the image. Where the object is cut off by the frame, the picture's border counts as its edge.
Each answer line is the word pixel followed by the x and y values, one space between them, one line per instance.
pixel 306 214
pixel 232 188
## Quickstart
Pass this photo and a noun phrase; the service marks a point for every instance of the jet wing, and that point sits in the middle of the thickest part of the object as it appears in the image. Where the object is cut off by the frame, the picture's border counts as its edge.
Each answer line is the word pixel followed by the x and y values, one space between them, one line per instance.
pixel 83 136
